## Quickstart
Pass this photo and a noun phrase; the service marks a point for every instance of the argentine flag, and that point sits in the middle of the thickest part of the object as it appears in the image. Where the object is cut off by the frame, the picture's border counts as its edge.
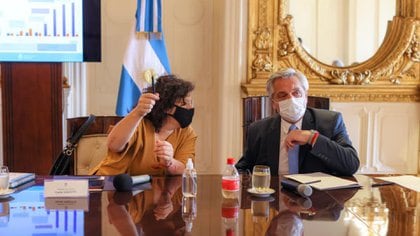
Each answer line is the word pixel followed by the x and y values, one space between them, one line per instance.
pixel 146 51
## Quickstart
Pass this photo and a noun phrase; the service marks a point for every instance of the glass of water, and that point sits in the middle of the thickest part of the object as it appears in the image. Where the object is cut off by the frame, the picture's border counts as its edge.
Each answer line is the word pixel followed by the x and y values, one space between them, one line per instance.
pixel 261 178
pixel 4 179
pixel 260 210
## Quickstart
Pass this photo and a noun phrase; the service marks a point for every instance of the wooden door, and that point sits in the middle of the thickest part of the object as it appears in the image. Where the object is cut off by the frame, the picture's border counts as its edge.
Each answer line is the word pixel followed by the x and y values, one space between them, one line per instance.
pixel 32 115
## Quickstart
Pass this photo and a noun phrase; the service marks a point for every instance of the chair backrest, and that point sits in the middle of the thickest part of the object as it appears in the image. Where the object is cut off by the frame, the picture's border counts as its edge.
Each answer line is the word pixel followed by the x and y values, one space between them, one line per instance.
pixel 319 102
pixel 91 148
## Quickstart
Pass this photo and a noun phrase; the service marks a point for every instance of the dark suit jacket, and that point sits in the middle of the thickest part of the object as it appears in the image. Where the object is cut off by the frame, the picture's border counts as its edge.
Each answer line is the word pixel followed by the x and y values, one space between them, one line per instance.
pixel 332 152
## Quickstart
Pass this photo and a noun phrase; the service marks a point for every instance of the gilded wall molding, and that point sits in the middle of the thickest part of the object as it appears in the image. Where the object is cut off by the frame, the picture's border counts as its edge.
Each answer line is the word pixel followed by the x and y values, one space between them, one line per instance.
pixel 390 75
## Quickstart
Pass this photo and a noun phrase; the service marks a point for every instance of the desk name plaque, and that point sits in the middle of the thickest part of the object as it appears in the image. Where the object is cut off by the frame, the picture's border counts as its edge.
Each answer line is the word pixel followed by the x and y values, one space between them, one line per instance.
pixel 66 188
pixel 67 203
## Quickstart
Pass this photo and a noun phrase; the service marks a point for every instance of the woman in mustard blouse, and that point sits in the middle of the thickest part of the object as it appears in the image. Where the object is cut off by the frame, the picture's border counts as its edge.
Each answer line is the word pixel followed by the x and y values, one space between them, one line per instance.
pixel 155 137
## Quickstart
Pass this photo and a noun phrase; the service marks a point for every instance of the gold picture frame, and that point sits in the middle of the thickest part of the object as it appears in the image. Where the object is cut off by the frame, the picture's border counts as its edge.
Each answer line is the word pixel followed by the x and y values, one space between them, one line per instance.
pixel 390 75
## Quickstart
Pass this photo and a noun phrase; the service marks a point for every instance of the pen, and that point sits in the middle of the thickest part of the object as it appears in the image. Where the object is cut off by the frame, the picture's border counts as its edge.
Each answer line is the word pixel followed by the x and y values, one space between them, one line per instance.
pixel 314 181
pixel 153 84
pixel 381 184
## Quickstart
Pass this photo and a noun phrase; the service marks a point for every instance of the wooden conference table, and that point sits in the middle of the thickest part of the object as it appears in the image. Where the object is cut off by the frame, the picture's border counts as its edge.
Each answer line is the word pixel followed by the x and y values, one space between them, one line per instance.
pixel 158 208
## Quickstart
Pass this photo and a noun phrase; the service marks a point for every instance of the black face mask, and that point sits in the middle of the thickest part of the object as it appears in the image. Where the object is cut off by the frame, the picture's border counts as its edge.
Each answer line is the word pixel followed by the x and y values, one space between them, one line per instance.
pixel 183 116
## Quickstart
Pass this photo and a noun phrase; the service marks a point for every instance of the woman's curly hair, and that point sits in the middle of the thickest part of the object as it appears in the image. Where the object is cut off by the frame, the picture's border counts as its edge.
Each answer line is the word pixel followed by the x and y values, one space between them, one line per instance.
pixel 170 89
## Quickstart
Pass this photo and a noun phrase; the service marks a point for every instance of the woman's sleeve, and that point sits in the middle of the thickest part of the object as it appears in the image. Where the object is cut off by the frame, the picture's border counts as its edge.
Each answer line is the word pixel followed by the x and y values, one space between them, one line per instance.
pixel 185 147
pixel 117 163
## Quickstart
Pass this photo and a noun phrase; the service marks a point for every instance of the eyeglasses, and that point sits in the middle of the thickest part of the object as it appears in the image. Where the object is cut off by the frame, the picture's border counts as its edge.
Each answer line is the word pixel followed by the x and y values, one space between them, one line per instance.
pixel 282 95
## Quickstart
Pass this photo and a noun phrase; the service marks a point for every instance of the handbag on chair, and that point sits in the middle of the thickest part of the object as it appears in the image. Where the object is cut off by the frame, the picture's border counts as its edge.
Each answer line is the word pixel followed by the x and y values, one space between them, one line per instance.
pixel 61 165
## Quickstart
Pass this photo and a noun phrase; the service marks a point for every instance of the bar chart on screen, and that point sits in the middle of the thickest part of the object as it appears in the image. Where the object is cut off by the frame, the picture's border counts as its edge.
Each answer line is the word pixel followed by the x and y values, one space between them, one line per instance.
pixel 33 30
pixel 28 215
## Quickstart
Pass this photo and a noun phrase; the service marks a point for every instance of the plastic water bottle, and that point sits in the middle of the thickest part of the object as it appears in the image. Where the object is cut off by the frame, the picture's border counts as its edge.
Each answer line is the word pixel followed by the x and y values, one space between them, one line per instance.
pixel 230 214
pixel 189 180
pixel 230 180
pixel 189 212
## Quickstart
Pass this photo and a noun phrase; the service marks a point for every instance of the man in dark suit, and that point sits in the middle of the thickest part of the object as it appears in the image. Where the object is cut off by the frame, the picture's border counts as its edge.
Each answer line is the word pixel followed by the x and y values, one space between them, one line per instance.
pixel 320 140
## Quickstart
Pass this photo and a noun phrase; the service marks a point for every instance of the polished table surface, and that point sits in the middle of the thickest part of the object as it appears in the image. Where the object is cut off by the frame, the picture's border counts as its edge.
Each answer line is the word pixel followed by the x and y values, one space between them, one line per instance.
pixel 158 208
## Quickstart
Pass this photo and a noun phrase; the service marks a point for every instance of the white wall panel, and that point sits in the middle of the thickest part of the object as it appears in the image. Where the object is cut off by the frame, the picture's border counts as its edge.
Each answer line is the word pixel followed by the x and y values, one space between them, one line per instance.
pixel 386 135
pixel 190 34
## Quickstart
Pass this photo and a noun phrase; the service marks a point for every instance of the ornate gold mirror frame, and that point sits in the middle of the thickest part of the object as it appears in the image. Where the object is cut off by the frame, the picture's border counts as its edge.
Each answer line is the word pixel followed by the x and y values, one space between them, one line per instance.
pixel 390 75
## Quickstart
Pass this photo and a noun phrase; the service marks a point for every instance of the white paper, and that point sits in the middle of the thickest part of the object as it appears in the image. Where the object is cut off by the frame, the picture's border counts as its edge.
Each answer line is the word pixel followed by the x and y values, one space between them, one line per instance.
pixel 323 181
pixel 407 181
pixel 66 188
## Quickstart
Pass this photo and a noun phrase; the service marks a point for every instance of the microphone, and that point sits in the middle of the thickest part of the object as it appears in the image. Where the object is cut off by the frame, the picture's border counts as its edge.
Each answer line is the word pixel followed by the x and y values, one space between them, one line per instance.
pixel 303 202
pixel 303 190
pixel 125 182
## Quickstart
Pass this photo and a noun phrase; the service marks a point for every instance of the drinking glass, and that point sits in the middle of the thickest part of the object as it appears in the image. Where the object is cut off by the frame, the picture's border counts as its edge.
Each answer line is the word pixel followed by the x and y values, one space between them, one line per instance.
pixel 260 210
pixel 261 178
pixel 4 213
pixel 4 179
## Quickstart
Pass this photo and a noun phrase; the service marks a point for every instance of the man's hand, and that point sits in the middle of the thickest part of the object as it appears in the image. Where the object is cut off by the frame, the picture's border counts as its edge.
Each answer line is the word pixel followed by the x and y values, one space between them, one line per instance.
pixel 299 137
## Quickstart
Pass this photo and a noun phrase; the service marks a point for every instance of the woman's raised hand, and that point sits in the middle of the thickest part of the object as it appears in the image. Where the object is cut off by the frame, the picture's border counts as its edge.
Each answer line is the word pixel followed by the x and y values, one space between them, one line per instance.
pixel 146 103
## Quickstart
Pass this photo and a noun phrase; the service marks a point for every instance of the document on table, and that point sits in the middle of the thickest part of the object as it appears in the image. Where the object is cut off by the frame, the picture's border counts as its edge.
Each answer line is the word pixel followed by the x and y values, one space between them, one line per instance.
pixel 19 178
pixel 407 181
pixel 322 181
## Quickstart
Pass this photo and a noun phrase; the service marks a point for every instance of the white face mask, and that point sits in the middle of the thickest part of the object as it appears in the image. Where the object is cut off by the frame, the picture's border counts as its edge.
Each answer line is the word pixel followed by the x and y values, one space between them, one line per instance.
pixel 292 109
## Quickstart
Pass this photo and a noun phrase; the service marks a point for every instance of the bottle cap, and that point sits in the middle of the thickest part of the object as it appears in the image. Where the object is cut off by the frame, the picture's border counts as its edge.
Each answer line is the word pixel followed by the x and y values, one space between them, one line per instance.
pixel 188 226
pixel 231 161
pixel 190 164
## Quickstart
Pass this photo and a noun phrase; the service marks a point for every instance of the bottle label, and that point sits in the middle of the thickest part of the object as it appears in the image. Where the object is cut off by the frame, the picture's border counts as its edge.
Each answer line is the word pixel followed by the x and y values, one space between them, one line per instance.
pixel 230 184
pixel 230 212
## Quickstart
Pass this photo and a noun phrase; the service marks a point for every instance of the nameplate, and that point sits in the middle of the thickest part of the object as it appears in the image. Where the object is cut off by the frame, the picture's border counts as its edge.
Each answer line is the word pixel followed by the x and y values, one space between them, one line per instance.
pixel 64 203
pixel 66 188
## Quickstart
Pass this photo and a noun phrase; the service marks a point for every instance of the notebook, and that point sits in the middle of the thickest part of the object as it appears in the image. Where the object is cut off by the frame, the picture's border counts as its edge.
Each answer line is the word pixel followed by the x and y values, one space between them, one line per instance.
pixel 18 178
pixel 322 181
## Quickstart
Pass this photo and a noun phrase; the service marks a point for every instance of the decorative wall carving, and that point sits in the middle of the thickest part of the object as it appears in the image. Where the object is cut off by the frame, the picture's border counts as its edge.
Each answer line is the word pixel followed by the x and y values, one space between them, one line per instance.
pixel 390 75
pixel 262 45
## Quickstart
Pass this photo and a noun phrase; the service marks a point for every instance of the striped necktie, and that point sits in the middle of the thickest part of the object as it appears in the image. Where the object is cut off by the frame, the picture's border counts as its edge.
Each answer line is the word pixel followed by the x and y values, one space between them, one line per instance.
pixel 293 155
